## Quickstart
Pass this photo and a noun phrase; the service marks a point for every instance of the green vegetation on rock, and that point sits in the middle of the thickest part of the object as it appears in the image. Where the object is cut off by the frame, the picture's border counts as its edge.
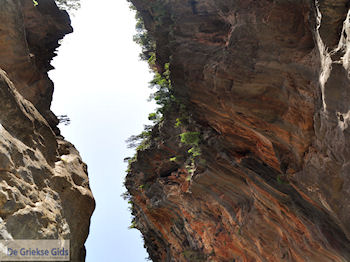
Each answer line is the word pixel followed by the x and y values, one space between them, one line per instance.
pixel 164 95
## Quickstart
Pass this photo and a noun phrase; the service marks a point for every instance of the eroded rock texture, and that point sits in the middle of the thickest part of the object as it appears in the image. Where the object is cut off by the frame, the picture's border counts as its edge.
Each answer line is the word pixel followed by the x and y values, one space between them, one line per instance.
pixel 44 187
pixel 267 84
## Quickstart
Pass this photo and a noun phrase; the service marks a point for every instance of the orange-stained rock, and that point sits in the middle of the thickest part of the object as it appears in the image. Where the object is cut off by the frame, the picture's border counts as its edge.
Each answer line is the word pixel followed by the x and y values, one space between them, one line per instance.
pixel 267 85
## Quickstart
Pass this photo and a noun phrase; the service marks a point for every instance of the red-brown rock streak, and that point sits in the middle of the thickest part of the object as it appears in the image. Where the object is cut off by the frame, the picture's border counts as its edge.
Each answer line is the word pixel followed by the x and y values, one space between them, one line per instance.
pixel 268 84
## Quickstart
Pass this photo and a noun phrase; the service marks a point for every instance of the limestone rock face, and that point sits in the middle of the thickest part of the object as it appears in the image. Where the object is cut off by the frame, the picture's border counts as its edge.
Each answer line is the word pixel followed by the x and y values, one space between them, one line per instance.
pixel 28 39
pixel 44 187
pixel 267 84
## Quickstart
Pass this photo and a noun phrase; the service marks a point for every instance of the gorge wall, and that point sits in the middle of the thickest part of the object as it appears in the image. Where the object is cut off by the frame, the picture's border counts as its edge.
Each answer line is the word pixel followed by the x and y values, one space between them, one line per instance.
pixel 266 89
pixel 44 187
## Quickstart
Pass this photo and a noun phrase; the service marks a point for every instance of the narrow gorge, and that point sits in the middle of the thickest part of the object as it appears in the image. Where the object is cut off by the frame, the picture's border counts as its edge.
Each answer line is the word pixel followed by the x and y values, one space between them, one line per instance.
pixel 248 158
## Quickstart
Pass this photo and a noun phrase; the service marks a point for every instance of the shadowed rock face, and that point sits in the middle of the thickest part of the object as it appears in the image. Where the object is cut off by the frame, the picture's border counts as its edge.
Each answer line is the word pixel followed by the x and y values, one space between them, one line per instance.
pixel 29 37
pixel 267 83
pixel 44 187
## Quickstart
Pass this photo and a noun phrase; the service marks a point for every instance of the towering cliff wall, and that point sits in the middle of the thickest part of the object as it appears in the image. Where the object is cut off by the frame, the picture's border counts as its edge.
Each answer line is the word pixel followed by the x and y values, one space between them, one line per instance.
pixel 266 89
pixel 44 187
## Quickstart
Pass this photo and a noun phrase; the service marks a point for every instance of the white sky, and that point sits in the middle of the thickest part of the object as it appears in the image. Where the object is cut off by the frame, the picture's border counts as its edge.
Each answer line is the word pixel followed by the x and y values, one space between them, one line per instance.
pixel 101 84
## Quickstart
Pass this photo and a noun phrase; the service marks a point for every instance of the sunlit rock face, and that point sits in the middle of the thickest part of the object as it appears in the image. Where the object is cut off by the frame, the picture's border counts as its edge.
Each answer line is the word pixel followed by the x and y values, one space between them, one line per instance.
pixel 267 83
pixel 44 187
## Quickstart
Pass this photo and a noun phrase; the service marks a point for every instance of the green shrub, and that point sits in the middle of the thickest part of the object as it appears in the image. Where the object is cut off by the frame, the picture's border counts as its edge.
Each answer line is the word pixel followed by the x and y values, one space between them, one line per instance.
pixel 195 151
pixel 143 38
pixel 190 138
pixel 193 139
pixel 141 140
pixel 164 94
pixel 133 225
pixel 178 122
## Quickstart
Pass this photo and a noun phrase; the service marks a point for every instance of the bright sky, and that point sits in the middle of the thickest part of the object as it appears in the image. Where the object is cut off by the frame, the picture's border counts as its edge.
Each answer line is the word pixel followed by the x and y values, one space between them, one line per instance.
pixel 101 84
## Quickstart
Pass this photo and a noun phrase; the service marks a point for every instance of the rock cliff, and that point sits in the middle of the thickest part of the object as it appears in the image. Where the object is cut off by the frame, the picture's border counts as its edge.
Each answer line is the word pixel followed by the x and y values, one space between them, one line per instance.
pixel 44 187
pixel 266 89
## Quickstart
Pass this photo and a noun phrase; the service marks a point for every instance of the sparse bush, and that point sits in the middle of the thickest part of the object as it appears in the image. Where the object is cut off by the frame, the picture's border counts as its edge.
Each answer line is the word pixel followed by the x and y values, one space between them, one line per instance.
pixel 68 4
pixel 133 224
pixel 143 38
pixel 139 141
pixel 63 119
pixel 190 138
pixel 64 4
pixel 164 94
pixel 193 139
